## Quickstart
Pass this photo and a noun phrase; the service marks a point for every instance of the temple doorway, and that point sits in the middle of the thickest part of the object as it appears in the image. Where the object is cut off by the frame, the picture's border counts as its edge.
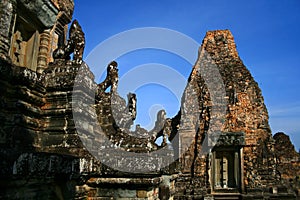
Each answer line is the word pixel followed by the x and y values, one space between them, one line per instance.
pixel 226 169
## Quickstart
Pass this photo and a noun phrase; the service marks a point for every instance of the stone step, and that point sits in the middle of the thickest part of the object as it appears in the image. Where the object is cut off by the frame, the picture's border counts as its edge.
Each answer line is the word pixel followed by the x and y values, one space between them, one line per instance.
pixel 227 196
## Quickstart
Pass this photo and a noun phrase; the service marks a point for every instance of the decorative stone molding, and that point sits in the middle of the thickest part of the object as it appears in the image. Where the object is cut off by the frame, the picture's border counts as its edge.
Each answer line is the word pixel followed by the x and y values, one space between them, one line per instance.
pixel 42 12
pixel 43 54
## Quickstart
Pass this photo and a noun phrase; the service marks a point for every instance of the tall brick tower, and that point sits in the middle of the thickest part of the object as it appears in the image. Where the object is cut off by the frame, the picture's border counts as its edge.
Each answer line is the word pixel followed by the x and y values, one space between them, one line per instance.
pixel 232 143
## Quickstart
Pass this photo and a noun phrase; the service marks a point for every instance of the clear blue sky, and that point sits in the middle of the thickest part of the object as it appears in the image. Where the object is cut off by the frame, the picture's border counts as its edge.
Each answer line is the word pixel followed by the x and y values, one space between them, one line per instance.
pixel 267 34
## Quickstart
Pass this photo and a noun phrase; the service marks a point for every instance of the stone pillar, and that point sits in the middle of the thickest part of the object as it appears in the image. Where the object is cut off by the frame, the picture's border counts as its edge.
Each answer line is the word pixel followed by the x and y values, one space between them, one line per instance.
pixel 43 54
pixel 242 181
pixel 237 172
pixel 7 21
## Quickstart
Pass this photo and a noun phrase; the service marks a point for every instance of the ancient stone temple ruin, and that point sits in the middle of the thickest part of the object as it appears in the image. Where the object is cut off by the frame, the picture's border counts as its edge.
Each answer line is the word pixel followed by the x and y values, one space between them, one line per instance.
pixel 64 136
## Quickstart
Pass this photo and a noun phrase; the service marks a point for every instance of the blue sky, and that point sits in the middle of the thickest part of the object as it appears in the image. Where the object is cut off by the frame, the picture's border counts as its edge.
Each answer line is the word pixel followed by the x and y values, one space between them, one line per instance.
pixel 267 34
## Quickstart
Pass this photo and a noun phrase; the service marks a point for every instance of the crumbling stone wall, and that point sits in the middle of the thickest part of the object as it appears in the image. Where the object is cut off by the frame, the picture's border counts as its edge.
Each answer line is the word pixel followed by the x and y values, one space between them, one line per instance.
pixel 39 138
pixel 285 156
pixel 287 161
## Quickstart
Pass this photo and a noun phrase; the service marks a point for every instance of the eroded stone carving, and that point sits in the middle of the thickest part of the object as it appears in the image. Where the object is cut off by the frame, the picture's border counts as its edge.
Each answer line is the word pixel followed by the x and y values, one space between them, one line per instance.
pixel 75 45
pixel 111 79
pixel 162 128
pixel 126 114
pixel 227 139
pixel 132 105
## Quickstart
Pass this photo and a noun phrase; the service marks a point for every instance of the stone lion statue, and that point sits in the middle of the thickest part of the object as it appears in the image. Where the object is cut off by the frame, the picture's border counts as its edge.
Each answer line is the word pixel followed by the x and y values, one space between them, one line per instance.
pixel 75 45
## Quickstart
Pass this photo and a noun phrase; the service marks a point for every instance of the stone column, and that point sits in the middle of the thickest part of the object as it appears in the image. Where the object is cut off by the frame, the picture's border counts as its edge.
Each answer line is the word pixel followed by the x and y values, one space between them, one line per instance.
pixel 42 61
pixel 212 171
pixel 7 22
pixel 237 169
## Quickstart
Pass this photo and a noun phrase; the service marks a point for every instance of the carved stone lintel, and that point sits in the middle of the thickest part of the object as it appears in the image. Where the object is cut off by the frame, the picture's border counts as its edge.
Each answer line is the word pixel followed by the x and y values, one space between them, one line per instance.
pixel 44 11
pixel 227 139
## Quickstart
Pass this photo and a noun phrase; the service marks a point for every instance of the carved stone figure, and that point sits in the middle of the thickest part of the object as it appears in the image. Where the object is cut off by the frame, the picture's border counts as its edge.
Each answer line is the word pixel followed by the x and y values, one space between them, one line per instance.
pixel 111 79
pixel 75 45
pixel 132 105
pixel 162 127
pixel 125 117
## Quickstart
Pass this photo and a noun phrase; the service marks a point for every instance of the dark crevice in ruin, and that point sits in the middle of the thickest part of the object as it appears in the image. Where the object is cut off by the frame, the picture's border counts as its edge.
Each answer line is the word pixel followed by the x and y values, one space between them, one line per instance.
pixel 195 154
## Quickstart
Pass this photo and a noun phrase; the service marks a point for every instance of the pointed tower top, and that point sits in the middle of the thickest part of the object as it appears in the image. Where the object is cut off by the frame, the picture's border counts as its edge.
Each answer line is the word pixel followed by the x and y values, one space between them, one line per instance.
pixel 219 44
